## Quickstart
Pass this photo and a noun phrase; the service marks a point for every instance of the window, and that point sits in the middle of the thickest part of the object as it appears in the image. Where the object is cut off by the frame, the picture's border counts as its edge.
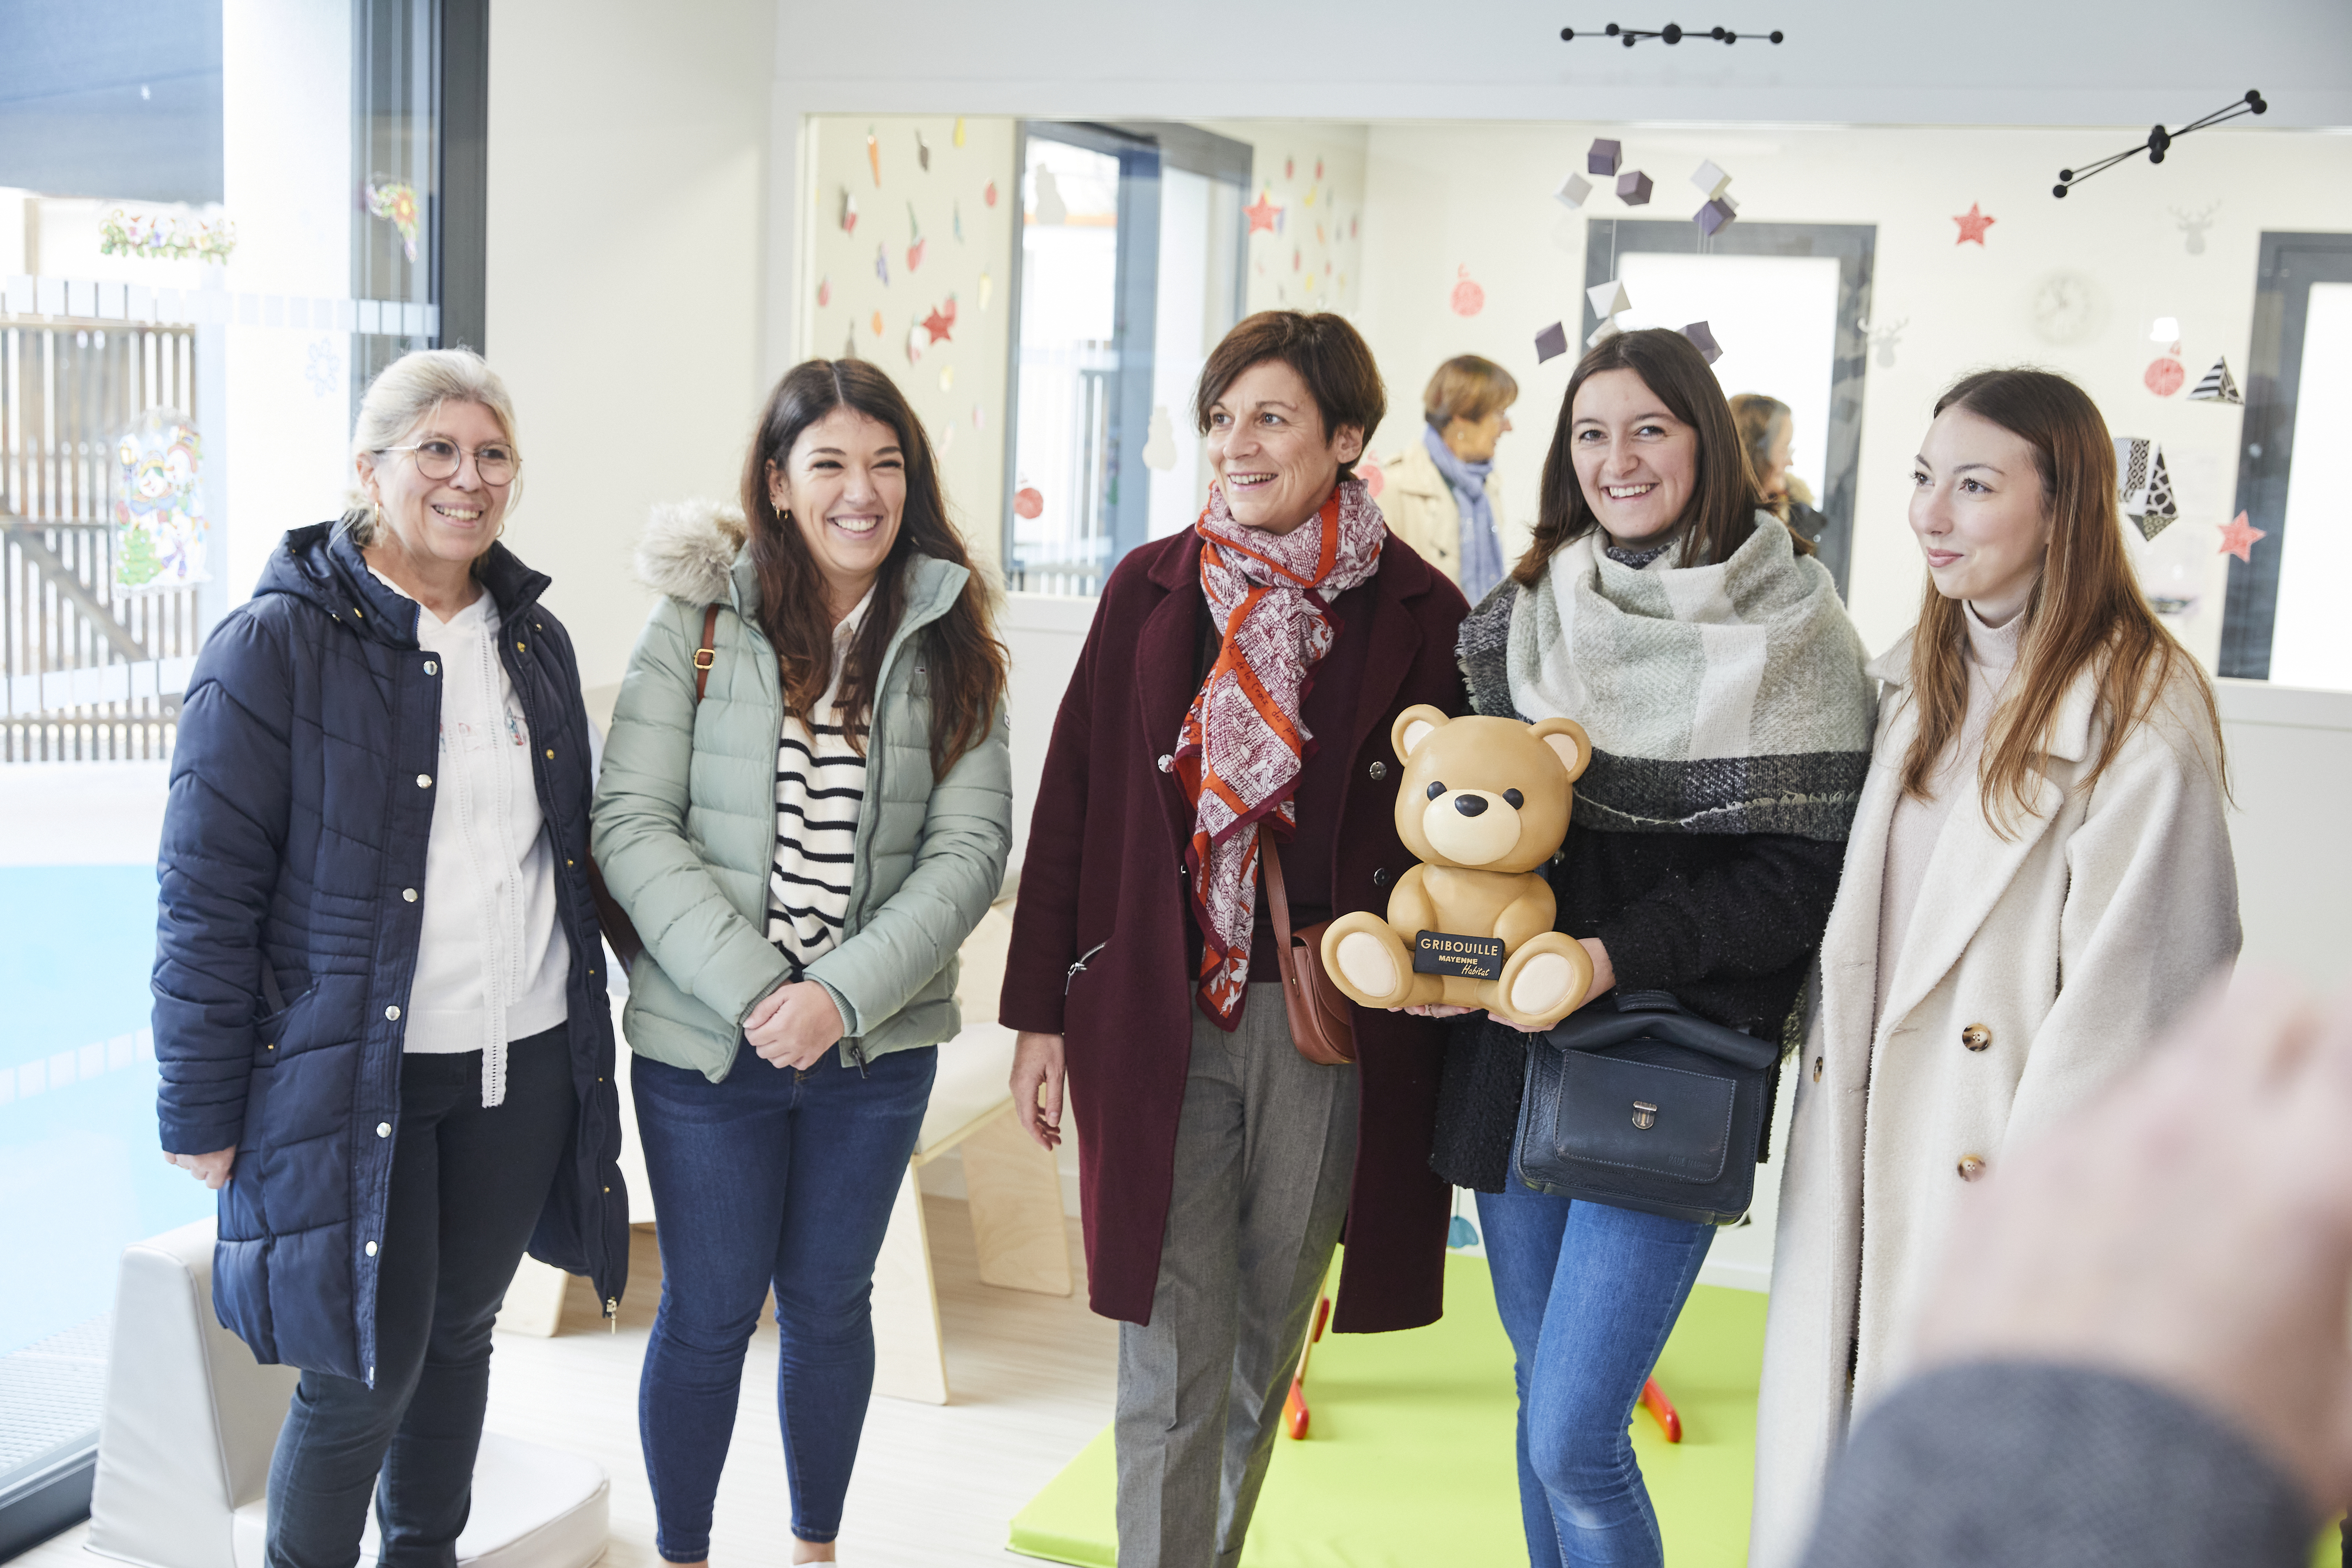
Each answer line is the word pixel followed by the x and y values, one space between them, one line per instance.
pixel 1129 265
pixel 216 225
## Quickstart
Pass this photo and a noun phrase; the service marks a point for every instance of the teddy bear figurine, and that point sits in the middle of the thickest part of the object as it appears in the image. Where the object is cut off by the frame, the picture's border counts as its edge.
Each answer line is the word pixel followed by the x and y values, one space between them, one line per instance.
pixel 1484 802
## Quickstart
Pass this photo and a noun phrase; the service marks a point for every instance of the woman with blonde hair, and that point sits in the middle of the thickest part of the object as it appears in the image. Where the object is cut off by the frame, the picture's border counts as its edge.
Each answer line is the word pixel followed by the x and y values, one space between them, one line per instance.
pixel 1439 493
pixel 380 1006
pixel 2038 878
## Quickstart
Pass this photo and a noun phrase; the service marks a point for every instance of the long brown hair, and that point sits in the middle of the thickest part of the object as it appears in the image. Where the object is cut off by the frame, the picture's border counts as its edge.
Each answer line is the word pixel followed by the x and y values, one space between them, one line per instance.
pixel 967 663
pixel 2085 611
pixel 1723 505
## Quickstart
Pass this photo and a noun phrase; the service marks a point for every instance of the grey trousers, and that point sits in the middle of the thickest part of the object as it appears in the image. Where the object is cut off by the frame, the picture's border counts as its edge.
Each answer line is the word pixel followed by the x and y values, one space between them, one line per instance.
pixel 1266 1147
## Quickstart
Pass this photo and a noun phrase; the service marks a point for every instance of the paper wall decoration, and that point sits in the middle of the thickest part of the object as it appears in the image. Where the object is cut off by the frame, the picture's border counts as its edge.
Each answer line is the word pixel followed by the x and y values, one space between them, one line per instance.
pixel 947 383
pixel 1602 157
pixel 1573 192
pixel 877 323
pixel 1551 342
pixel 1289 168
pixel 1375 477
pixel 2159 141
pixel 394 201
pixel 823 292
pixel 1709 179
pixel 1702 337
pixel 1973 224
pixel 1262 215
pixel 979 416
pixel 916 343
pixel 2238 538
pixel 1883 340
pixel 166 237
pixel 1318 169
pixel 922 152
pixel 159 518
pixel 2166 330
pixel 1468 298
pixel 2193 226
pixel 914 240
pixel 1670 33
pixel 1310 197
pixel 988 196
pixel 848 212
pixel 874 155
pixel 2217 385
pixel 955 220
pixel 1160 441
pixel 1027 501
pixel 882 263
pixel 325 370
pixel 987 287
pixel 2164 376
pixel 1633 188
pixel 942 321
pixel 849 349
pixel 958 131
pixel 2143 488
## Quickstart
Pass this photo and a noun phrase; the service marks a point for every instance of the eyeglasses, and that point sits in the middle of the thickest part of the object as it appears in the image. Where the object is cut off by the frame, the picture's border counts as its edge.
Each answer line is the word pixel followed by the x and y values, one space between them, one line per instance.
pixel 439 459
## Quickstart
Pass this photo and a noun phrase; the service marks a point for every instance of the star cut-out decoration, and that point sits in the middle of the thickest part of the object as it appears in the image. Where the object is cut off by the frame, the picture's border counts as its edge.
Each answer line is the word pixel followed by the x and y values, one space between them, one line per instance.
pixel 1263 215
pixel 2238 537
pixel 939 323
pixel 1973 224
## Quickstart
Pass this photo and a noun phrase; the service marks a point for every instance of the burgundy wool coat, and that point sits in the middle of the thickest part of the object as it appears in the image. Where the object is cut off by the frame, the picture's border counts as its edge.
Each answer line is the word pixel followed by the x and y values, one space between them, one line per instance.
pixel 1106 866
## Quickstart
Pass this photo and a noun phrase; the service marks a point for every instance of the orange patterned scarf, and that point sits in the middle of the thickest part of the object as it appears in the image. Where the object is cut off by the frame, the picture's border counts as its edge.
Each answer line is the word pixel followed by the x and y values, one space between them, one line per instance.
pixel 1243 744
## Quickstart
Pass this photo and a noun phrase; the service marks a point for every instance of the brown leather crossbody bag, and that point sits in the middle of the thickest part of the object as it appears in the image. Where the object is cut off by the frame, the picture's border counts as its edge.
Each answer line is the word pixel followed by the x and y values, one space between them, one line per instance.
pixel 1322 1022
pixel 619 930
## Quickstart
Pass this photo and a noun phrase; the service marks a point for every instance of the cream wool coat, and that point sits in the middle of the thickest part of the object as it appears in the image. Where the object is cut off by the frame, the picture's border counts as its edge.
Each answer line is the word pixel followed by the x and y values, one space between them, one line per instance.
pixel 1420 510
pixel 2074 944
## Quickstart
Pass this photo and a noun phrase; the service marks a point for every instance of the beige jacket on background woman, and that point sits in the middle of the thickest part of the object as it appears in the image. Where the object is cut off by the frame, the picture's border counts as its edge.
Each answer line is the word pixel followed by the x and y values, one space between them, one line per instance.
pixel 1421 509
pixel 2070 944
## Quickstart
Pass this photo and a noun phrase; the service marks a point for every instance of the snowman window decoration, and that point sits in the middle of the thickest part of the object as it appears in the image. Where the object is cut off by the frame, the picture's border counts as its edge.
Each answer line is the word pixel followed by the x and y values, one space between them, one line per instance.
pixel 159 519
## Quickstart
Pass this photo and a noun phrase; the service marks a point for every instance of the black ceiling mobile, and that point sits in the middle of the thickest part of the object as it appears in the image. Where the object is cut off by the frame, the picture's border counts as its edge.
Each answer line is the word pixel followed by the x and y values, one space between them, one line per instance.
pixel 1673 33
pixel 2159 141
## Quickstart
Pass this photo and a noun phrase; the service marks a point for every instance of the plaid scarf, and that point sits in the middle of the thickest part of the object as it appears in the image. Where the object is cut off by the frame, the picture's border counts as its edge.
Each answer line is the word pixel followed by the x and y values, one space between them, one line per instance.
pixel 1243 744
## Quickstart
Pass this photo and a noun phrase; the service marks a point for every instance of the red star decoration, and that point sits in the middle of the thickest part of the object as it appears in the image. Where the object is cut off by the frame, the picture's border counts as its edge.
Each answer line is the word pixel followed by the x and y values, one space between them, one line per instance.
pixel 1263 215
pixel 1973 224
pixel 2238 537
pixel 939 322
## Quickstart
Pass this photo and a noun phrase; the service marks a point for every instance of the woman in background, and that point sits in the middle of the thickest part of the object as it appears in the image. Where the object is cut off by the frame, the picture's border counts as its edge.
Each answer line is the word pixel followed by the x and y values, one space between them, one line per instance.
pixel 1766 430
pixel 805 808
pixel 1709 661
pixel 380 1005
pixel 2039 880
pixel 1439 494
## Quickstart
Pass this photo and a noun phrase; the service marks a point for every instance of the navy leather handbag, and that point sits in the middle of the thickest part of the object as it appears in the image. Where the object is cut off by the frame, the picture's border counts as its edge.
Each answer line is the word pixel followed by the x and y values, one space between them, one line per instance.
pixel 1635 1102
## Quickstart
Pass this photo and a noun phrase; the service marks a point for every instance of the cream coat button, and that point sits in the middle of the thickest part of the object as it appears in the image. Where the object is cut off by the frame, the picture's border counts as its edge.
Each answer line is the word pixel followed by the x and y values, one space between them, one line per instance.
pixel 1971 1167
pixel 384 1129
pixel 392 1013
pixel 371 1248
pixel 424 781
pixel 1976 1037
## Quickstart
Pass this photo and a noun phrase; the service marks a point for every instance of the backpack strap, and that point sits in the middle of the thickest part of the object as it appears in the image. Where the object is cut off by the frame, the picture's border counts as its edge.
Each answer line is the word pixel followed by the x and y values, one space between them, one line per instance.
pixel 706 656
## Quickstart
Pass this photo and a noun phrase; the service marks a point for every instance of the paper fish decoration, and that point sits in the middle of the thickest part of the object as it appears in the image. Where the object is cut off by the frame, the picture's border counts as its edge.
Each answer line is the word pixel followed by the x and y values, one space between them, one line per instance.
pixel 1468 298
pixel 1702 338
pixel 2217 385
pixel 1551 342
pixel 874 155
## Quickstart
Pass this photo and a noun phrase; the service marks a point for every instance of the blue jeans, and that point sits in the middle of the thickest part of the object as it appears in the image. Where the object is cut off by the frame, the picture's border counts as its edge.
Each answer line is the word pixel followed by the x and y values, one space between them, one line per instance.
pixel 771 1177
pixel 1588 1294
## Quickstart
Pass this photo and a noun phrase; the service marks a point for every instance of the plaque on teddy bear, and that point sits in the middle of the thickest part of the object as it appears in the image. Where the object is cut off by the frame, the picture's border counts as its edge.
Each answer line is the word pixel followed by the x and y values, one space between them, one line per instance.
pixel 1469 957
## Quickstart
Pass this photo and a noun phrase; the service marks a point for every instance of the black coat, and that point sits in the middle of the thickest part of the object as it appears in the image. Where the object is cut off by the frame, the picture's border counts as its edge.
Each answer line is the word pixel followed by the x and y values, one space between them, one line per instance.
pixel 300 804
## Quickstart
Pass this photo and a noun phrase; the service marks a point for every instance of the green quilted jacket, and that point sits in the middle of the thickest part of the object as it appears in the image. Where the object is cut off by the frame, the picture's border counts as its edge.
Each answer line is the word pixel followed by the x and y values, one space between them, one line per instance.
pixel 684 827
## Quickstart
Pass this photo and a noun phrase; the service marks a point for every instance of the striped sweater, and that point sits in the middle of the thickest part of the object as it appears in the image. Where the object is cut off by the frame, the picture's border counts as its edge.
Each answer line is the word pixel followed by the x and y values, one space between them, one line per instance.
pixel 820 790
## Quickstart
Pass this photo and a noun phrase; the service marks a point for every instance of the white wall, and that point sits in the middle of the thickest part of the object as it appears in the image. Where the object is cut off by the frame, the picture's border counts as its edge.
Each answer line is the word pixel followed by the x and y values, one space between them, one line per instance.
pixel 626 145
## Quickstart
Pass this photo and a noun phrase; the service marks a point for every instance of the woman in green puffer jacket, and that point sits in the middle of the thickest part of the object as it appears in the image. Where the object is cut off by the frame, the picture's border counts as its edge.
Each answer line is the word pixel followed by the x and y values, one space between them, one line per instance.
pixel 804 807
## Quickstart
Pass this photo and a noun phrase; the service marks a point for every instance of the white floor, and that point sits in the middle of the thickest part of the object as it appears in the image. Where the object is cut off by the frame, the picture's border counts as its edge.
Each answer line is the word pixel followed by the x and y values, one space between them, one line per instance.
pixel 1032 1380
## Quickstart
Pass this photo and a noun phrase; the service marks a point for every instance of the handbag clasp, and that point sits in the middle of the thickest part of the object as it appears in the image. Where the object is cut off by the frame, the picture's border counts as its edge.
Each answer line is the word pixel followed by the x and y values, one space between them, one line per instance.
pixel 1645 1115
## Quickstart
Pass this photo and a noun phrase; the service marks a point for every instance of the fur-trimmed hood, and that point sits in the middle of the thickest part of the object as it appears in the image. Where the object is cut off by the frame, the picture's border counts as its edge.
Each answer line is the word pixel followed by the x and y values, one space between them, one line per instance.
pixel 689 549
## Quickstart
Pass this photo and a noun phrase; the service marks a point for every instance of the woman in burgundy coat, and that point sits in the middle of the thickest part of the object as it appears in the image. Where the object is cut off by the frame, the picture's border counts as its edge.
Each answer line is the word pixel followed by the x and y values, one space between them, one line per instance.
pixel 1242 675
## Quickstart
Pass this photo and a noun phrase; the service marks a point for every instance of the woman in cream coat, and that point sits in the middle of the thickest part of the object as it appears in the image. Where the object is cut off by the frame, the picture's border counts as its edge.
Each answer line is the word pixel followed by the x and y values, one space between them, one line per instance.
pixel 2008 936
pixel 1440 493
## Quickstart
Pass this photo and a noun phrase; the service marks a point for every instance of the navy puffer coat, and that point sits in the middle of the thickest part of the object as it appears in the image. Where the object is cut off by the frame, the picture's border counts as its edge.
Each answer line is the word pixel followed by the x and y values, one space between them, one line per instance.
pixel 300 802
